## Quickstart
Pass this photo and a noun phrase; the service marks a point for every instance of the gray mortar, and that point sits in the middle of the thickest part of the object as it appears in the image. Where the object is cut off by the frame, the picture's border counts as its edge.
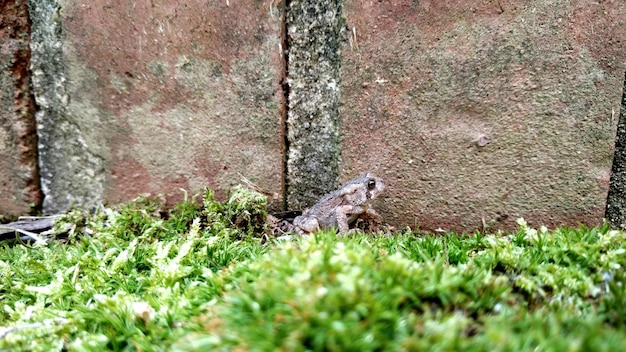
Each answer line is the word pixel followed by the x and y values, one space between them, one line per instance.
pixel 616 200
pixel 70 174
pixel 314 29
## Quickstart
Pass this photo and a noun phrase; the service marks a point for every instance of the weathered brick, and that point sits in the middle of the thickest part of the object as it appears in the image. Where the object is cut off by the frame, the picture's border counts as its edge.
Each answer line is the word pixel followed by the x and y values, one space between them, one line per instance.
pixel 19 183
pixel 481 111
pixel 163 95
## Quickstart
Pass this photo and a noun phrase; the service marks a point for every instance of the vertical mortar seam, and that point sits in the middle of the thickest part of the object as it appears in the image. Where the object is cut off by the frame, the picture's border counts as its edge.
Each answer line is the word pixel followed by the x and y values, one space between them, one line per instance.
pixel 615 210
pixel 285 112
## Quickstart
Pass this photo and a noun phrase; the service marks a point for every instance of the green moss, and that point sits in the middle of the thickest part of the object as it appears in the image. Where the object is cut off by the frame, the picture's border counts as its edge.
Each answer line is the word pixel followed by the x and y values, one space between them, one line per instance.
pixel 197 277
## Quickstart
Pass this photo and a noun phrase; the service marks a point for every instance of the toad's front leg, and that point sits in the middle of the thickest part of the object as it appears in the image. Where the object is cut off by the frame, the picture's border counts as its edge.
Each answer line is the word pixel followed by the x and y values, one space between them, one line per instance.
pixel 346 214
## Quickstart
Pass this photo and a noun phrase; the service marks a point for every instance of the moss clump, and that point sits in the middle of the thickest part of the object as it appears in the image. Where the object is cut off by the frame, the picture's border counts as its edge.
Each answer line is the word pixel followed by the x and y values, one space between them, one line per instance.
pixel 246 210
pixel 244 214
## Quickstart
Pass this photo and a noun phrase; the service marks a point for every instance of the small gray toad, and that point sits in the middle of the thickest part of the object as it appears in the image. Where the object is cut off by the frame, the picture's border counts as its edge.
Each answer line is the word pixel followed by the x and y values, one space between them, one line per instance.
pixel 342 207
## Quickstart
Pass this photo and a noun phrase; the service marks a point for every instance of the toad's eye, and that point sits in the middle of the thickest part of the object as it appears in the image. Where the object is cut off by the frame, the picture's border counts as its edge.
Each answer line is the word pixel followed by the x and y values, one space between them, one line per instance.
pixel 371 184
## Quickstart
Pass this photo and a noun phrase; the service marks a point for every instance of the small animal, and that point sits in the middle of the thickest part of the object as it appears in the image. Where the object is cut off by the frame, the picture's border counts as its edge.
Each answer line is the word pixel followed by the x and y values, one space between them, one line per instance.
pixel 342 207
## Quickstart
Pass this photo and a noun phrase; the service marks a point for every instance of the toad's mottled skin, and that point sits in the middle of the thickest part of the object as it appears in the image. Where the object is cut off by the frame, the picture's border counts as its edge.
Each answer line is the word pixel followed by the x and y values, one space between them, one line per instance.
pixel 342 207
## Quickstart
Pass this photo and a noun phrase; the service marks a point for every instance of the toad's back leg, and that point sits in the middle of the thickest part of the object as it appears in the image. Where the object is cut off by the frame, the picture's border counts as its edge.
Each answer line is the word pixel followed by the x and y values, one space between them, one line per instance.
pixel 306 225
